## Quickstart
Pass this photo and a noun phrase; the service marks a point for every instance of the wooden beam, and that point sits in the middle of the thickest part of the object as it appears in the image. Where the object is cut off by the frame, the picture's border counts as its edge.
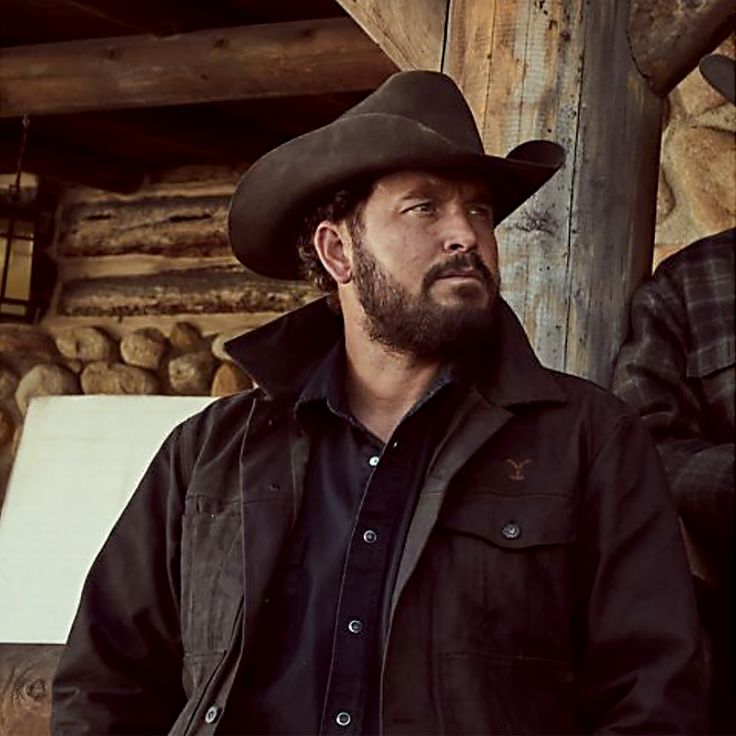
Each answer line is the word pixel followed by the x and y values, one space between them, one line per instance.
pixel 298 58
pixel 409 32
pixel 669 37
pixel 561 70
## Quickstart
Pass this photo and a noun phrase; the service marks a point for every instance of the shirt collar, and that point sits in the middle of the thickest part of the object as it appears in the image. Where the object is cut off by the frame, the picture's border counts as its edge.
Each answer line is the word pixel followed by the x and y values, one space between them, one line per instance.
pixel 283 355
pixel 326 386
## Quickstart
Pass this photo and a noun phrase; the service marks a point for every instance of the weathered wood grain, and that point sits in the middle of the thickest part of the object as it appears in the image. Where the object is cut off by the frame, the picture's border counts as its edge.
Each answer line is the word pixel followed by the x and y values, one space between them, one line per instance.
pixel 26 672
pixel 297 58
pixel 172 226
pixel 193 291
pixel 669 37
pixel 561 70
pixel 409 32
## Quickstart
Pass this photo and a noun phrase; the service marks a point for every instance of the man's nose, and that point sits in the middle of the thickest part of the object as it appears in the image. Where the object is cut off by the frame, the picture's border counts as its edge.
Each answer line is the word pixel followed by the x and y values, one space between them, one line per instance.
pixel 459 235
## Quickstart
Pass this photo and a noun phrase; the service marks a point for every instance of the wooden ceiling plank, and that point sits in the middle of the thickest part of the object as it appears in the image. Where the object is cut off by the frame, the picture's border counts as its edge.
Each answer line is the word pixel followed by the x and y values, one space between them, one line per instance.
pixel 162 17
pixel 410 32
pixel 669 37
pixel 65 163
pixel 259 61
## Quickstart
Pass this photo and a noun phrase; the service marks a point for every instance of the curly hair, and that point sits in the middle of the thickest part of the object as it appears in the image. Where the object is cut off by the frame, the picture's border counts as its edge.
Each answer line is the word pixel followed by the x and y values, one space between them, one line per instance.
pixel 344 204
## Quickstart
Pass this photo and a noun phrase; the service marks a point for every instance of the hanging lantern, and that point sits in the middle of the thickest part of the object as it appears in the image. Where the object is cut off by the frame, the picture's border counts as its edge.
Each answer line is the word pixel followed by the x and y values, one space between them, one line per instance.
pixel 21 227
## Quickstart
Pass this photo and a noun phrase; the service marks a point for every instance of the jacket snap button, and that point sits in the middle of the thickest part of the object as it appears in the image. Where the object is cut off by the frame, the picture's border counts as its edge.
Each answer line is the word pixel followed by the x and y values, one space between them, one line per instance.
pixel 511 530
pixel 211 715
pixel 343 718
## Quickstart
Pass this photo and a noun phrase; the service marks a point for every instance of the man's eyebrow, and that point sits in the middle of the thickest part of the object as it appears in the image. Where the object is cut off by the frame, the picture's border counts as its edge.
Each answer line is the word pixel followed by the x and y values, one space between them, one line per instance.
pixel 422 190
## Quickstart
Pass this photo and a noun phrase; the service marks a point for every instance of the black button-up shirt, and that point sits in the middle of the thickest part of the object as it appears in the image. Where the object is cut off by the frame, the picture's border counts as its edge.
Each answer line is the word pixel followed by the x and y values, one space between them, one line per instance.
pixel 316 665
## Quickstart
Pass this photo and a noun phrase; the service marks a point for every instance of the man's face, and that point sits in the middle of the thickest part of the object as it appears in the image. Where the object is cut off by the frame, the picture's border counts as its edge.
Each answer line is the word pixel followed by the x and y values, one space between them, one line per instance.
pixel 425 262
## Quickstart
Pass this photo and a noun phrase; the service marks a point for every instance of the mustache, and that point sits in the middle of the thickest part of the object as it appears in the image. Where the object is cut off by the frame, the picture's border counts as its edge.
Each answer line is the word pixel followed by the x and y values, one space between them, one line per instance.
pixel 460 262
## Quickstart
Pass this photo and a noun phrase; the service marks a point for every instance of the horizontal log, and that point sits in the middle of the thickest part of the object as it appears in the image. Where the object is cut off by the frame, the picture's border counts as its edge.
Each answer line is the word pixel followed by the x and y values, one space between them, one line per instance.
pixel 26 672
pixel 223 289
pixel 669 37
pixel 172 226
pixel 282 59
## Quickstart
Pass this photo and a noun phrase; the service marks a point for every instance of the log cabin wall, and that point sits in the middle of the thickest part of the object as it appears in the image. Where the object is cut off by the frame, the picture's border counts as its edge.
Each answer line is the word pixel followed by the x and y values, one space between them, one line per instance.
pixel 148 292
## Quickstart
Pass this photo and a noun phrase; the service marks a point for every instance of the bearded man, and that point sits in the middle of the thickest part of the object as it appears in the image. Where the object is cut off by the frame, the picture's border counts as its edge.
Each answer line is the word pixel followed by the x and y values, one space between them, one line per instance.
pixel 410 526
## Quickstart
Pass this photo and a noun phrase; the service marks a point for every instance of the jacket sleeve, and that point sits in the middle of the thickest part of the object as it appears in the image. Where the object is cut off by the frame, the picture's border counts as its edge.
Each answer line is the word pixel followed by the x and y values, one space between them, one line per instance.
pixel 121 670
pixel 641 669
pixel 651 376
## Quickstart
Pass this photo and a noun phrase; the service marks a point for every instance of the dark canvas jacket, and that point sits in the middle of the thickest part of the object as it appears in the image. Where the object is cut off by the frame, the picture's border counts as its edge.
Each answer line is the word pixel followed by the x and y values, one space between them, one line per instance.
pixel 542 588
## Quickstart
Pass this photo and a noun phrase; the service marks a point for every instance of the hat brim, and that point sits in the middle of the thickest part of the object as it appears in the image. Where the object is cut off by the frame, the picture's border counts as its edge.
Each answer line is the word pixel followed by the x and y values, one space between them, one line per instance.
pixel 720 72
pixel 277 192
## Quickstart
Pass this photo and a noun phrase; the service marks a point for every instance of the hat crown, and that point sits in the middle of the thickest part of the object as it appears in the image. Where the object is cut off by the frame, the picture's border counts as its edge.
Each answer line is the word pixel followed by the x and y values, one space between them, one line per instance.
pixel 428 98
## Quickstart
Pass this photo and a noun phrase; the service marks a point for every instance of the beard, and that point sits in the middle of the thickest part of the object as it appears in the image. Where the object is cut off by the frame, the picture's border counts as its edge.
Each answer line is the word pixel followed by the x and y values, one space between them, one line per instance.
pixel 419 325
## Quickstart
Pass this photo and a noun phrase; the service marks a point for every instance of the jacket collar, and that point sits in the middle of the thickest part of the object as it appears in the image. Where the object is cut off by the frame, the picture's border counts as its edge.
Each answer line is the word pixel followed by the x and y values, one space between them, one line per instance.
pixel 282 355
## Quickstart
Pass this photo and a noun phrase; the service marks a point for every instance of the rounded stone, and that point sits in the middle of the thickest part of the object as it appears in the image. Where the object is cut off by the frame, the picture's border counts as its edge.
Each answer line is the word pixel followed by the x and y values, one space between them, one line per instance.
pixel 45 379
pixel 86 344
pixel 186 338
pixel 190 374
pixel 8 383
pixel 30 342
pixel 144 348
pixel 230 379
pixel 116 378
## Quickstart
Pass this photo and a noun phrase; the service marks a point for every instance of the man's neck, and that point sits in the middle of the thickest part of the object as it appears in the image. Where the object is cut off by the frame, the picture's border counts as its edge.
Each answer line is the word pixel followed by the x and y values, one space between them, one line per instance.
pixel 382 385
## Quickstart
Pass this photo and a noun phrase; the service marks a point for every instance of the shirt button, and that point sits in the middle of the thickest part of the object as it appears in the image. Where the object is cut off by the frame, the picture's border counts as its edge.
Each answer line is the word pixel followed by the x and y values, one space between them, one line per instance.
pixel 374 460
pixel 355 626
pixel 369 536
pixel 511 530
pixel 211 715
pixel 343 718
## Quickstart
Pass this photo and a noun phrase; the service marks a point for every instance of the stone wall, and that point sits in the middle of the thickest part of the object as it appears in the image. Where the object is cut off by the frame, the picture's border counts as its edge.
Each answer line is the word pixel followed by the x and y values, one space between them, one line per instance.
pixel 697 184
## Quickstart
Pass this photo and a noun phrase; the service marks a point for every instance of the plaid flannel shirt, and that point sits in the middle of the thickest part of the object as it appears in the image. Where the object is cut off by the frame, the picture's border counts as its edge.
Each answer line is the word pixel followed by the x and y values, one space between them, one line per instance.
pixel 677 370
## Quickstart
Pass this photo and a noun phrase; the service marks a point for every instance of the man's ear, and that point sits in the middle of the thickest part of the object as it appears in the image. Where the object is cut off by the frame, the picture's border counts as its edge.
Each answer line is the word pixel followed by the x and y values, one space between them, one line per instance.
pixel 330 241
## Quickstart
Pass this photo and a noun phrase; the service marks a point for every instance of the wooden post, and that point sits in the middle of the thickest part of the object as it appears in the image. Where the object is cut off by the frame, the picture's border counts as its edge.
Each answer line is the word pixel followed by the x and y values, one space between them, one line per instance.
pixel 561 70
pixel 409 32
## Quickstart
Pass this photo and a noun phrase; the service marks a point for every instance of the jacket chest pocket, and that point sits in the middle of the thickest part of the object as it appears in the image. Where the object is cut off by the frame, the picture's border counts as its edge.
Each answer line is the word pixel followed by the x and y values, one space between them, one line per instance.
pixel 502 568
pixel 212 575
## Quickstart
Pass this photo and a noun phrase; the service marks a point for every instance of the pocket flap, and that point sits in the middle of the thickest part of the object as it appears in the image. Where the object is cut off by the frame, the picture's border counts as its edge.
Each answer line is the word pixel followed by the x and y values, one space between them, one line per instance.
pixel 711 357
pixel 513 522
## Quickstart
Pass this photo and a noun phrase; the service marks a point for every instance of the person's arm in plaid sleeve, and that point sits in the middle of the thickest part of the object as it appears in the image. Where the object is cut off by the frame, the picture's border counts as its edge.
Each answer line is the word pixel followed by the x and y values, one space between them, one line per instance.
pixel 657 375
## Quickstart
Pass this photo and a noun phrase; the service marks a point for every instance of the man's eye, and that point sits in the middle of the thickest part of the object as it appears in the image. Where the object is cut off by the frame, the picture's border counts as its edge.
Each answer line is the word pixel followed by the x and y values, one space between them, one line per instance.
pixel 481 210
pixel 422 208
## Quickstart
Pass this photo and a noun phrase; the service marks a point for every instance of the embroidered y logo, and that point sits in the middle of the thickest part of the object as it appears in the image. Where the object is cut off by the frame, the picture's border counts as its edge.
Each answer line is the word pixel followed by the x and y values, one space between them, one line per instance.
pixel 518 468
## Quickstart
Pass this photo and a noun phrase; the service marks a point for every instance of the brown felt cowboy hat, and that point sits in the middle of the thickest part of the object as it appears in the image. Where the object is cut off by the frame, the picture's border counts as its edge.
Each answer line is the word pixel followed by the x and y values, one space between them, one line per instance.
pixel 720 73
pixel 414 120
